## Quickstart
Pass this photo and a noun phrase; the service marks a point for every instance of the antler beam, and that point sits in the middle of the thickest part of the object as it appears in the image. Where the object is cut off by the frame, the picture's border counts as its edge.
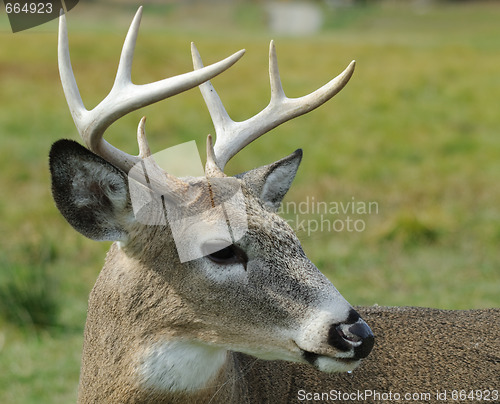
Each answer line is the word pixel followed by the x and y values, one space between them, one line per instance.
pixel 233 136
pixel 124 96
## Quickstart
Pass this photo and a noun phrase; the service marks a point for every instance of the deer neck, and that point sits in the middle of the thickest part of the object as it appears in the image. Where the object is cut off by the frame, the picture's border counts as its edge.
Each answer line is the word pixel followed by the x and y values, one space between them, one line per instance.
pixel 181 371
pixel 155 364
pixel 177 366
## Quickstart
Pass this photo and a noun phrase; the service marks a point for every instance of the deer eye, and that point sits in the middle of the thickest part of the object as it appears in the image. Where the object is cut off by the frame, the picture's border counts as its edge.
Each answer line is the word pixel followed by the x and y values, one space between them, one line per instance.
pixel 226 254
pixel 230 254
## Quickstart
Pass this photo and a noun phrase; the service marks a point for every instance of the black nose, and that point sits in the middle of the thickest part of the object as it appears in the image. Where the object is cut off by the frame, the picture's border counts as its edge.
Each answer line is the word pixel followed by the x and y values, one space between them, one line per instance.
pixel 363 333
pixel 354 334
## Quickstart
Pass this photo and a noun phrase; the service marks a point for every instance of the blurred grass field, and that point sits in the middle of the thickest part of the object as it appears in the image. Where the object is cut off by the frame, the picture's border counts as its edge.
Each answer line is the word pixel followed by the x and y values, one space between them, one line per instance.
pixel 416 131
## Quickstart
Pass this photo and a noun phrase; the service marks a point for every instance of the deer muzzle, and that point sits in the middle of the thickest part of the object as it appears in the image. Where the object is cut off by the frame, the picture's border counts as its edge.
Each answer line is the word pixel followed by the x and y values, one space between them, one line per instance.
pixel 356 336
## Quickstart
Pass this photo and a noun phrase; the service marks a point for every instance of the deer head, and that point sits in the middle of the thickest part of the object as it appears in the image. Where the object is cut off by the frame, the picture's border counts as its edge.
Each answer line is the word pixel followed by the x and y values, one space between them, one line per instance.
pixel 171 302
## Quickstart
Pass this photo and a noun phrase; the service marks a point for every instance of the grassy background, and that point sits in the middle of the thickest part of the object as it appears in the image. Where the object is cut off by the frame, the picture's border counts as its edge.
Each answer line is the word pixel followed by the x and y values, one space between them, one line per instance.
pixel 416 131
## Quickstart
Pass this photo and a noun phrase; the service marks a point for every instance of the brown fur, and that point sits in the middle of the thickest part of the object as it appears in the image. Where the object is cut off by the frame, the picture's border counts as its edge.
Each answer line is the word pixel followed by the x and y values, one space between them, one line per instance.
pixel 417 350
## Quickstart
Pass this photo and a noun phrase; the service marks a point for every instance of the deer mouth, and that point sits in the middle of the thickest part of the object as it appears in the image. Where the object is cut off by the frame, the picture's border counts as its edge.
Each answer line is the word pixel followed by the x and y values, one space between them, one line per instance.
pixel 347 344
pixel 311 357
pixel 330 364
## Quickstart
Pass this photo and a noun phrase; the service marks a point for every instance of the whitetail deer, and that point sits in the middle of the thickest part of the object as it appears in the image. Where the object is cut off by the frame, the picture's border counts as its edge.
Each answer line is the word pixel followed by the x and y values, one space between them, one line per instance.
pixel 248 319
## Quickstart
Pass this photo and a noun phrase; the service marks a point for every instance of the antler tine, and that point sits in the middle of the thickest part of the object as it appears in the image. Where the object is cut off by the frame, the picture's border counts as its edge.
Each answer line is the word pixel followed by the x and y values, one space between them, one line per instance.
pixel 233 136
pixel 211 167
pixel 124 96
pixel 220 117
pixel 277 92
pixel 142 141
pixel 68 81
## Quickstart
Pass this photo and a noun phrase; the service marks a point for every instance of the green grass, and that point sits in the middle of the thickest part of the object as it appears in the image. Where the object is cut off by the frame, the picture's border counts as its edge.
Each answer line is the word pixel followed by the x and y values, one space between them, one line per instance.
pixel 416 131
pixel 27 297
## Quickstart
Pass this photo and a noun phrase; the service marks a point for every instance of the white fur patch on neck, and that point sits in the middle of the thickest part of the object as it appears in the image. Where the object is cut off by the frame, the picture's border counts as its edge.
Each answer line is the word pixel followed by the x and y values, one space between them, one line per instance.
pixel 178 365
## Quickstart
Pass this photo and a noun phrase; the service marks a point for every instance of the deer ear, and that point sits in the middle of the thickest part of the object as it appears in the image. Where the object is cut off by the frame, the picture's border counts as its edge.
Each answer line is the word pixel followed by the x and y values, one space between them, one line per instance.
pixel 270 183
pixel 90 193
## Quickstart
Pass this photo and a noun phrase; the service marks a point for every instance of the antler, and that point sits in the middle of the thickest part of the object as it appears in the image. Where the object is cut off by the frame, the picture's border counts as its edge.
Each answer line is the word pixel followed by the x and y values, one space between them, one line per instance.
pixel 124 96
pixel 233 136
